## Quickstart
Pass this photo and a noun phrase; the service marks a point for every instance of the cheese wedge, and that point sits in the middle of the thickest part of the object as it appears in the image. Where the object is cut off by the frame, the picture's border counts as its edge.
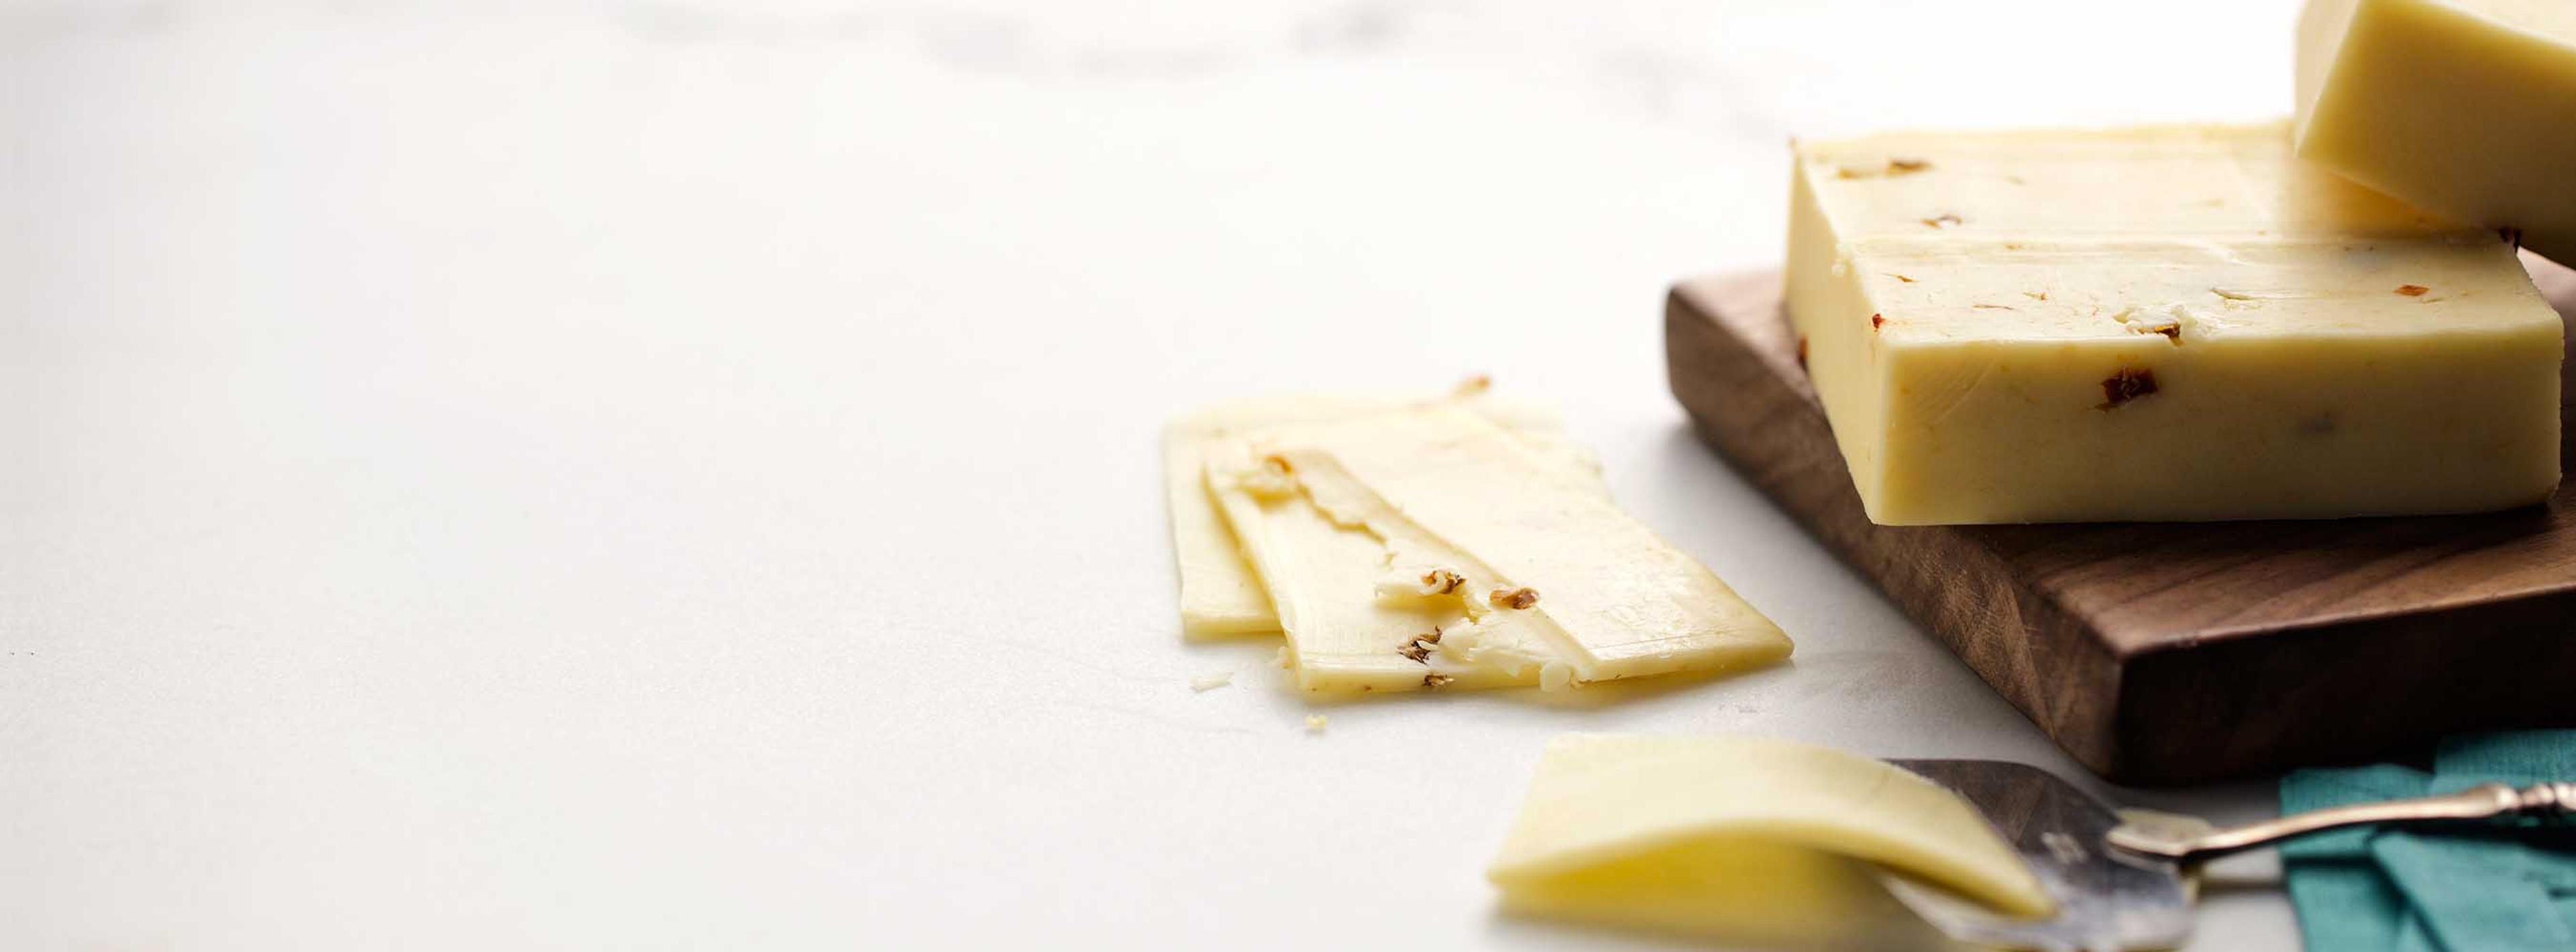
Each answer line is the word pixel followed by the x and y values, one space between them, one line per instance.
pixel 2159 324
pixel 1744 840
pixel 1219 595
pixel 1491 562
pixel 2460 106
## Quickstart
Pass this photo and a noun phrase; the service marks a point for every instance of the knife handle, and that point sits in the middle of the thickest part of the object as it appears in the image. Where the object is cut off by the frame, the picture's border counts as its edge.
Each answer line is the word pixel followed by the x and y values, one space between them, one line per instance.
pixel 2481 802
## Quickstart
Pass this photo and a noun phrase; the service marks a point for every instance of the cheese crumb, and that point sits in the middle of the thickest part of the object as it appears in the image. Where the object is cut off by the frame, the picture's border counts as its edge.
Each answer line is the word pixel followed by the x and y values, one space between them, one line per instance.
pixel 1555 676
pixel 1503 650
pixel 1315 723
pixel 1407 585
pixel 1210 682
pixel 1284 659
pixel 1272 479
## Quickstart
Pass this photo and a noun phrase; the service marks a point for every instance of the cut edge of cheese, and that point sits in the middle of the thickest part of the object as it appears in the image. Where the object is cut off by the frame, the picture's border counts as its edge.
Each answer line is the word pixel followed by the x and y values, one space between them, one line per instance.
pixel 1740 836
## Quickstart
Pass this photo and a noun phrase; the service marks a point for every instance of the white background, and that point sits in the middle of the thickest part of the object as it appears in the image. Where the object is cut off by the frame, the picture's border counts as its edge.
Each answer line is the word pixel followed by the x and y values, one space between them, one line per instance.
pixel 643 475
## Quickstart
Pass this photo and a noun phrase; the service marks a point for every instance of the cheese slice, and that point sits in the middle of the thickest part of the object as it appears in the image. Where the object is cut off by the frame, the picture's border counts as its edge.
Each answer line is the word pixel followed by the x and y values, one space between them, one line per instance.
pixel 1744 840
pixel 2159 324
pixel 1549 582
pixel 1326 579
pixel 2460 106
pixel 1219 594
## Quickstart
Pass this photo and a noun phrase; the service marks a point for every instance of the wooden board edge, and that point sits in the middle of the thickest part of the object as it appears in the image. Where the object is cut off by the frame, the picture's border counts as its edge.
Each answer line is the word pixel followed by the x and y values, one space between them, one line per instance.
pixel 2143 715
pixel 2054 670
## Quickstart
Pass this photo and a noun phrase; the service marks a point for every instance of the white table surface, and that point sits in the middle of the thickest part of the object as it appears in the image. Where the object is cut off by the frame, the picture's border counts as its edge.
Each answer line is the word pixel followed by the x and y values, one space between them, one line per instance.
pixel 643 475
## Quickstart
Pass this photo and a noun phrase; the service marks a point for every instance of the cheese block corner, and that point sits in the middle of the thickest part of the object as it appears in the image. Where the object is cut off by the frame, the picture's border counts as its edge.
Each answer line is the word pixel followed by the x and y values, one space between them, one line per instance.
pixel 2460 106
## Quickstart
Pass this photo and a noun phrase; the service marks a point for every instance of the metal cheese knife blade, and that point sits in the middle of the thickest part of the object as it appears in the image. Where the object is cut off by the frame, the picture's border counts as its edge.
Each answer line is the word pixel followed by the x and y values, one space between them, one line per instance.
pixel 2119 877
pixel 2107 900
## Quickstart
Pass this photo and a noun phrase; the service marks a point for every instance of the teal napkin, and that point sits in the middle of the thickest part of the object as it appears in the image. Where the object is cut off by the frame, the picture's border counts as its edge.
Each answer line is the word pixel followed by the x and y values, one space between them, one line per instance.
pixel 2436 889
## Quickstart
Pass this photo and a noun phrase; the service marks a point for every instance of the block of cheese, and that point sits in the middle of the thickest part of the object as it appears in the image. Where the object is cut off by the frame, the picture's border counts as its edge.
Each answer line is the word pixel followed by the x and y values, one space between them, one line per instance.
pixel 1218 593
pixel 2464 107
pixel 1432 548
pixel 2159 324
pixel 1744 840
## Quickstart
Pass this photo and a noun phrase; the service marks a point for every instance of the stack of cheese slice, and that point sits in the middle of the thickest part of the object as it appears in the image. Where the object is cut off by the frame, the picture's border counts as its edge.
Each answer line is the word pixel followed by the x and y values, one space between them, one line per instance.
pixel 1457 542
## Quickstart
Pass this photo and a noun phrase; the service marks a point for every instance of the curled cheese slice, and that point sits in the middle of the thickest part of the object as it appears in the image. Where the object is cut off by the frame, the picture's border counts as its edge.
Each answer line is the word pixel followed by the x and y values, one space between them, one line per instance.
pixel 1745 839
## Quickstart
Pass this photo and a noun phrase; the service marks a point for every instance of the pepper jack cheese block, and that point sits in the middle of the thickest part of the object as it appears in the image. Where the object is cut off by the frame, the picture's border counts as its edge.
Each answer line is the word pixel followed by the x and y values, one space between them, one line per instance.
pixel 1745 840
pixel 2465 107
pixel 2159 324
pixel 1219 595
pixel 1432 548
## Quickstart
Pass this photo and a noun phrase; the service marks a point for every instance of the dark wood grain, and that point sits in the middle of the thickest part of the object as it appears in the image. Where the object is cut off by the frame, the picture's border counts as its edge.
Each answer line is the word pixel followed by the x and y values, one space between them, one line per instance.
pixel 2171 653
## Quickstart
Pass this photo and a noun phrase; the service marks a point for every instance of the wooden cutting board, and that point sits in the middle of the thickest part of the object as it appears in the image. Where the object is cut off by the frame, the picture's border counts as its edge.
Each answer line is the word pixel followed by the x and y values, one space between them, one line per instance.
pixel 2161 653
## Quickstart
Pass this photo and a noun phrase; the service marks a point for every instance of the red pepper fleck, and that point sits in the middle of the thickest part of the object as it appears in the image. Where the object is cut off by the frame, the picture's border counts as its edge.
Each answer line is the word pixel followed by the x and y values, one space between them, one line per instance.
pixel 2129 383
pixel 2412 290
pixel 1802 351
pixel 1877 321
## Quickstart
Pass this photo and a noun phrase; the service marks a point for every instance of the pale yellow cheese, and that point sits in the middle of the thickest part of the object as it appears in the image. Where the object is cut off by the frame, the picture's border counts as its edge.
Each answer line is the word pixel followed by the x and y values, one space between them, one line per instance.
pixel 2159 324
pixel 1378 504
pixel 1744 840
pixel 1325 580
pixel 2465 107
pixel 1219 594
